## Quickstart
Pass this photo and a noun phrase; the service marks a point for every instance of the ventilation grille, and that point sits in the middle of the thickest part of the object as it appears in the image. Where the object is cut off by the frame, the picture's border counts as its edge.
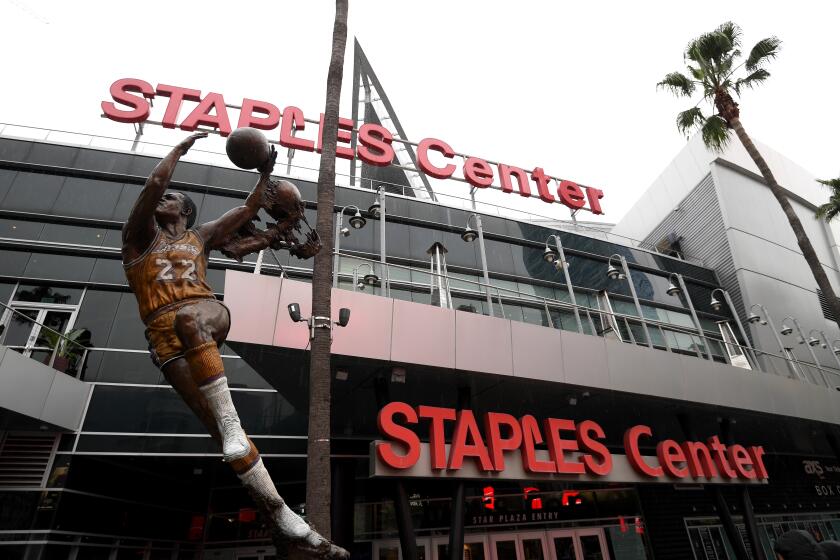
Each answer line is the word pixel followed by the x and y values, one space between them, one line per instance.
pixel 826 309
pixel 25 458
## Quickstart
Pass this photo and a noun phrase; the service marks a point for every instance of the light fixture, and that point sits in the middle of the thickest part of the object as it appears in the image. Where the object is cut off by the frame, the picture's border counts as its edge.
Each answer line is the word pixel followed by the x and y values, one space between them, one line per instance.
pixel 294 312
pixel 560 264
pixel 716 304
pixel 786 330
pixel 614 274
pixel 345 232
pixel 673 289
pixel 343 317
pixel 398 375
pixel 469 235
pixel 358 221
pixel 371 279
pixel 813 341
pixel 374 210
pixel 752 318
pixel 837 351
pixel 550 255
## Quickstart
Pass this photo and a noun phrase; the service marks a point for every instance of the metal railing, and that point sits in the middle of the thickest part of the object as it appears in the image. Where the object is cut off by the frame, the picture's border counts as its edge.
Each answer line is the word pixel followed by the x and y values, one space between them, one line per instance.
pixel 306 173
pixel 624 327
pixel 55 349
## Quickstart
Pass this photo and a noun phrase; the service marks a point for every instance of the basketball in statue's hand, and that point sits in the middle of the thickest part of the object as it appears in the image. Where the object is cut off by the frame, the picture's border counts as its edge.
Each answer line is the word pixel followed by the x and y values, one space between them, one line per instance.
pixel 247 148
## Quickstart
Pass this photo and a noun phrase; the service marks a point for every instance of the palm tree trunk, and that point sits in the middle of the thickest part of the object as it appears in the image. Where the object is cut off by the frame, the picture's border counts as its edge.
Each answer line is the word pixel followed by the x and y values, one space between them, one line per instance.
pixel 318 449
pixel 801 237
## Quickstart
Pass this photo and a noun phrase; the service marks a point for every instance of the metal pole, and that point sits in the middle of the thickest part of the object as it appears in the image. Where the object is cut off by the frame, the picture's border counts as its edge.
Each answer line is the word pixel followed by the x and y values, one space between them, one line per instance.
pixel 694 316
pixel 810 350
pixel 258 265
pixel 568 280
pixel 483 262
pixel 750 524
pixel 355 277
pixel 769 320
pixel 636 300
pixel 738 322
pixel 339 217
pixel 386 284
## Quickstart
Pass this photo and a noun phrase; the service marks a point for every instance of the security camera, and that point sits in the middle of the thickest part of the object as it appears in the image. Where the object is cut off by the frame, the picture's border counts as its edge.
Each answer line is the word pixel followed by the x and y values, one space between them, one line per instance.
pixel 343 317
pixel 294 312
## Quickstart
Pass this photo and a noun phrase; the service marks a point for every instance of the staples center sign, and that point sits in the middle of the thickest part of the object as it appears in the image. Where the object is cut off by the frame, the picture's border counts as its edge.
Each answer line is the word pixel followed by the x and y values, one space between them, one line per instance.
pixel 576 451
pixel 131 105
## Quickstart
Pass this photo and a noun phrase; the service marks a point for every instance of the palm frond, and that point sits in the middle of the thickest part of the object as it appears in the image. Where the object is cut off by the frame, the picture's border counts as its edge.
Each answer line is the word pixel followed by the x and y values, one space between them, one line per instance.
pixel 709 47
pixel 763 51
pixel 829 210
pixel 715 133
pixel 698 73
pixel 751 80
pixel 678 83
pixel 834 184
pixel 731 31
pixel 687 120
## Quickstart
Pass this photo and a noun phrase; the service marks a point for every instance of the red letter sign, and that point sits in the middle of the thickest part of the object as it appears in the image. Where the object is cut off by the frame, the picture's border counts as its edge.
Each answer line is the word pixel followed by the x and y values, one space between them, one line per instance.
pixel 423 158
pixel 401 434
pixel 120 92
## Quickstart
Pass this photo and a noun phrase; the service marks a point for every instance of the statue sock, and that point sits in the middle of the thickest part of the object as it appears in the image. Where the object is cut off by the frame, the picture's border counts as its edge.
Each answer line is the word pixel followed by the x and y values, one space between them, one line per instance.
pixel 235 444
pixel 293 528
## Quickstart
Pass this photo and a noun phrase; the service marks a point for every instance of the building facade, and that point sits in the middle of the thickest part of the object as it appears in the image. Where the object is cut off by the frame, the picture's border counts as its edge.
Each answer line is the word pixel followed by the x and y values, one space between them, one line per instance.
pixel 99 458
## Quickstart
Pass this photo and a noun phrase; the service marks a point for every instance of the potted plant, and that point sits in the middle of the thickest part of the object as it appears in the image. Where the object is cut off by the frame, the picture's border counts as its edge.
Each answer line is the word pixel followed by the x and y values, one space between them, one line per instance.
pixel 68 350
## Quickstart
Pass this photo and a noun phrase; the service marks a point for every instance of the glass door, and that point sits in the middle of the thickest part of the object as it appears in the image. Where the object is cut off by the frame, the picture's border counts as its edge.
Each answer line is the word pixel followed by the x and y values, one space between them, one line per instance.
pixel 32 332
pixel 475 548
pixel 390 549
pixel 578 544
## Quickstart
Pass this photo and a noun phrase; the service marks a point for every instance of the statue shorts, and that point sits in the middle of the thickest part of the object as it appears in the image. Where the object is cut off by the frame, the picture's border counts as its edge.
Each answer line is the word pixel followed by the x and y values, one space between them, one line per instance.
pixel 164 344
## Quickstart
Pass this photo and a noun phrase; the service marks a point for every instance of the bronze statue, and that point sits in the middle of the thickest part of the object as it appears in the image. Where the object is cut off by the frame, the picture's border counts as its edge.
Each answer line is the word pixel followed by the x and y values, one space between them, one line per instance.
pixel 165 259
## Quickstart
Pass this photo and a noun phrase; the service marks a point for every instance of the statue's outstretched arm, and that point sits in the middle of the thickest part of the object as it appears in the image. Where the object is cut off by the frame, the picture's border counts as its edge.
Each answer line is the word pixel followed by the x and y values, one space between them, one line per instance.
pixel 217 232
pixel 139 229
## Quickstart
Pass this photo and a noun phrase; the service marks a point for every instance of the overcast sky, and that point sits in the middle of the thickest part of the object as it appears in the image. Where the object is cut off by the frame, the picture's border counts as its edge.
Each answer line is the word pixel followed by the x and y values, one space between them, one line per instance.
pixel 566 86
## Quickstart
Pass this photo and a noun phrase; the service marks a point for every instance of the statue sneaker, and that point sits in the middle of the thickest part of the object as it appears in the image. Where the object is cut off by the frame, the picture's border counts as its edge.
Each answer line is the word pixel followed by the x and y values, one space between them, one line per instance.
pixel 235 443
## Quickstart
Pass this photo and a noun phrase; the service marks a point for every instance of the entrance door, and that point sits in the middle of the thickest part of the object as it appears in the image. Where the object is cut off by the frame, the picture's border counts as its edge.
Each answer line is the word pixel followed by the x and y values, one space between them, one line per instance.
pixel 578 544
pixel 519 546
pixel 475 548
pixel 391 550
pixel 24 333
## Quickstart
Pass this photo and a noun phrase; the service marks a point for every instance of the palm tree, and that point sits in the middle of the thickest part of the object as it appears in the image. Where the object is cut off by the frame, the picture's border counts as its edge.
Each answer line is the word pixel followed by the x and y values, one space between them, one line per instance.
pixel 712 62
pixel 318 448
pixel 830 209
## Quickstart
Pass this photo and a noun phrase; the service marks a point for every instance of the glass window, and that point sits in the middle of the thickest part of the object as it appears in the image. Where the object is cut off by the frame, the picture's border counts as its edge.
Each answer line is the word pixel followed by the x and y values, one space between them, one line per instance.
pixel 59 267
pixel 240 374
pixel 128 196
pixel 12 263
pixel 124 367
pixel 33 192
pixel 128 331
pixel 48 294
pixel 215 205
pixel 20 229
pixel 87 198
pixel 6 178
pixel 109 271
pixel 535 316
pixel 113 238
pixel 6 289
pixel 63 233
pixel 96 314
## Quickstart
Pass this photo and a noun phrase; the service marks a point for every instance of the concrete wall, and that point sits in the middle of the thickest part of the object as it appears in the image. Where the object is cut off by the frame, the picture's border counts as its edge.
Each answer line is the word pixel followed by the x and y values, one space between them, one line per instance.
pixel 414 333
pixel 30 388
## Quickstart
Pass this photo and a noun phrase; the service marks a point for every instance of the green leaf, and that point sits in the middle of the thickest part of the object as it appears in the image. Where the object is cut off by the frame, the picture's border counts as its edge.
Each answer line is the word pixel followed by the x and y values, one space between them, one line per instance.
pixel 763 51
pixel 834 184
pixel 678 83
pixel 690 119
pixel 698 73
pixel 751 81
pixel 709 47
pixel 715 133
pixel 731 31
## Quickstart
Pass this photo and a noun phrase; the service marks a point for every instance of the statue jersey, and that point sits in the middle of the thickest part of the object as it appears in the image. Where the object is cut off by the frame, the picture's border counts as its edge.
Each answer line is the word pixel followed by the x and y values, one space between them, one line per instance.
pixel 168 272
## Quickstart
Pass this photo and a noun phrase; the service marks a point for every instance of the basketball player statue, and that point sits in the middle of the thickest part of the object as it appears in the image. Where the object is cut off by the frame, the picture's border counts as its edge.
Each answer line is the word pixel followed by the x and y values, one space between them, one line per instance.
pixel 165 258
